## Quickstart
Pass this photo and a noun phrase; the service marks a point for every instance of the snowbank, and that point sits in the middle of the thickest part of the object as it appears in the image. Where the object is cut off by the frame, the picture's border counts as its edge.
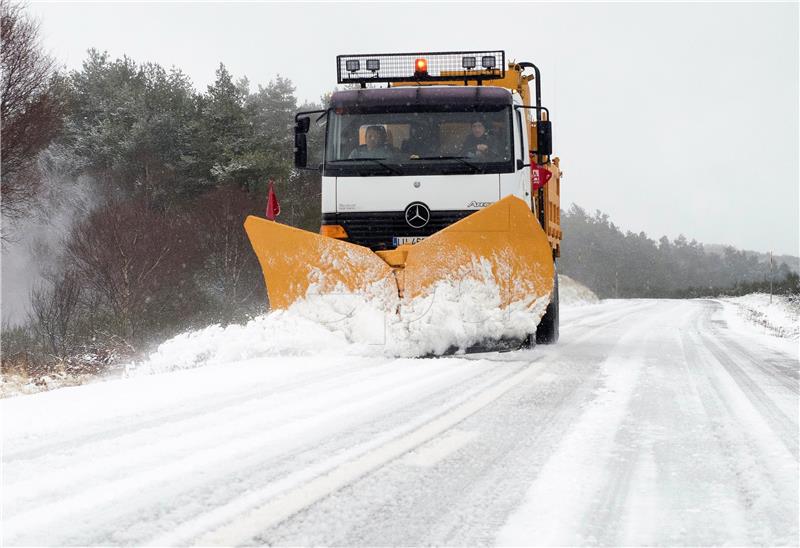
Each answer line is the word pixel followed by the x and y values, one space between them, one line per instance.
pixel 572 293
pixel 455 315
pixel 778 318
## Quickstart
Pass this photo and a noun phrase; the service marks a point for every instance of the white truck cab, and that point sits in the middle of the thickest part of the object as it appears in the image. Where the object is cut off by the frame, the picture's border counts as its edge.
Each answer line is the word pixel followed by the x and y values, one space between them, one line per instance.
pixel 403 161
pixel 422 176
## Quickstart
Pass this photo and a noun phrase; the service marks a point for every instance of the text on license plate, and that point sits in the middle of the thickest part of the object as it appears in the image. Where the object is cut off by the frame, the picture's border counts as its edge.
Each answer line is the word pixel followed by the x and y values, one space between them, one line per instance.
pixel 399 240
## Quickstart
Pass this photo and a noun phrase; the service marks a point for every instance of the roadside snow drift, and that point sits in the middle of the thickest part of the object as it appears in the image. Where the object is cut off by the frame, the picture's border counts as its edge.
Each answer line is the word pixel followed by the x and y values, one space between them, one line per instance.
pixel 574 293
pixel 776 315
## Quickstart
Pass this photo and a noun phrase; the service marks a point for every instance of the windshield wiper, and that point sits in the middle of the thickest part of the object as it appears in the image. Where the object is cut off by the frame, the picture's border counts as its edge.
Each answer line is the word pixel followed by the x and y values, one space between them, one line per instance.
pixel 376 160
pixel 461 159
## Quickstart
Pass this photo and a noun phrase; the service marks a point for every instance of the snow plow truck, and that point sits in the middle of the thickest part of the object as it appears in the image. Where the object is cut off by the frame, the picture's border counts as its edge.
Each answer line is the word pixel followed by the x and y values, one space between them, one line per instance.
pixel 436 166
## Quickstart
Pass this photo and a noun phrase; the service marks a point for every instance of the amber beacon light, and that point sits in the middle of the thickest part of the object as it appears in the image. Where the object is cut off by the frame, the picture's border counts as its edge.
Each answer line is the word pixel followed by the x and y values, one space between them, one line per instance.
pixel 421 67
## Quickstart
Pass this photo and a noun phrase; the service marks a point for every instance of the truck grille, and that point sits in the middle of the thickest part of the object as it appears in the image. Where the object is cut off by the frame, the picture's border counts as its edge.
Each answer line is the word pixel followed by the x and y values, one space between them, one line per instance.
pixel 376 230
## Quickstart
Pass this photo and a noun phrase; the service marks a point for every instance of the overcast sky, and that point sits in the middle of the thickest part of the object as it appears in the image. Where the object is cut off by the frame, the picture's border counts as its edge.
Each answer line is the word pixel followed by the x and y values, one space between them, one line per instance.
pixel 672 118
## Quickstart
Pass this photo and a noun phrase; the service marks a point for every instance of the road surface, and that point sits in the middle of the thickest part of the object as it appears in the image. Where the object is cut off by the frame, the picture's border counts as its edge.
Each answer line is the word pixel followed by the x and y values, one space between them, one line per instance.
pixel 651 422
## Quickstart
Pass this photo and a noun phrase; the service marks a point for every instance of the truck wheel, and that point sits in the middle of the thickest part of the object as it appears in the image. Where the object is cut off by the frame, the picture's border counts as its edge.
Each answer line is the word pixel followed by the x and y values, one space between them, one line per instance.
pixel 547 331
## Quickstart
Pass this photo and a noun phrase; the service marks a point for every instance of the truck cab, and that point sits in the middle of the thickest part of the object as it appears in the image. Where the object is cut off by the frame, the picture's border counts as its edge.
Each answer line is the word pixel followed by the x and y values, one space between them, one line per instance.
pixel 401 162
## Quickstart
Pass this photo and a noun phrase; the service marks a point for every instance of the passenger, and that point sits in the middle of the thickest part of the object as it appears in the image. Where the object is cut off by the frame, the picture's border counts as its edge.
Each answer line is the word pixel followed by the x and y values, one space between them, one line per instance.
pixel 376 145
pixel 478 143
pixel 417 143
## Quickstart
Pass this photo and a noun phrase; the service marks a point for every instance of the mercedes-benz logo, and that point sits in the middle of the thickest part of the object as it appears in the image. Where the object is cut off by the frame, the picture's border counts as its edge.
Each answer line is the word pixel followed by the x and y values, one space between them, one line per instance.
pixel 417 215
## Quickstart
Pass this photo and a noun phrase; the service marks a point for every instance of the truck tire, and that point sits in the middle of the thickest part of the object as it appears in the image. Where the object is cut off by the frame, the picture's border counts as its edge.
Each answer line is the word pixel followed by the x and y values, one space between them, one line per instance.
pixel 547 331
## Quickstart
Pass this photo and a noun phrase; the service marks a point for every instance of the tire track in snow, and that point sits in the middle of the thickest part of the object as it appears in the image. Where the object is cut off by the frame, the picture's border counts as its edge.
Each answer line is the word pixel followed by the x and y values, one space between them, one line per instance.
pixel 576 496
pixel 654 484
pixel 762 507
pixel 231 484
pixel 665 460
pixel 784 427
pixel 539 413
pixel 780 368
pixel 184 435
pixel 244 518
pixel 185 410
pixel 130 473
pixel 588 317
pixel 155 510
pixel 141 480
pixel 466 498
pixel 202 520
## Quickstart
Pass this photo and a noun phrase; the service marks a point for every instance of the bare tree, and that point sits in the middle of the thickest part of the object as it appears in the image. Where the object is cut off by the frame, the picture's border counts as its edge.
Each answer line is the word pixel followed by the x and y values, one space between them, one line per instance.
pixel 139 262
pixel 54 311
pixel 230 274
pixel 31 107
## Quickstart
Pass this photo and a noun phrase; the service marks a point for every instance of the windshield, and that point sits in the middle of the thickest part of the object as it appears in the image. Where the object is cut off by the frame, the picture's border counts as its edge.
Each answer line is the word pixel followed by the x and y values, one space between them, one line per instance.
pixel 409 143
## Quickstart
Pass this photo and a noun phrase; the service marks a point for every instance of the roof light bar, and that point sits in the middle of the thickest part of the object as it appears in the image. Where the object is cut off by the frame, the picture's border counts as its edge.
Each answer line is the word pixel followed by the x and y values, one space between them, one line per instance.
pixel 403 67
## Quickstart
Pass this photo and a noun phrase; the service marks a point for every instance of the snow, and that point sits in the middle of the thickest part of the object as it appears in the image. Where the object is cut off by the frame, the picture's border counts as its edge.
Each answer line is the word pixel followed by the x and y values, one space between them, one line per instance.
pixel 721 465
pixel 81 451
pixel 280 333
pixel 573 293
pixel 775 315
pixel 650 423
pixel 451 316
pixel 571 476
pixel 759 322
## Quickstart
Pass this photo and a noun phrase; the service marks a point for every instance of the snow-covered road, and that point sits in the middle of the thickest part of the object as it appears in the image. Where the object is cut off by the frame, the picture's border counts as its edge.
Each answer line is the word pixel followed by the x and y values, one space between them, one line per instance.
pixel 651 422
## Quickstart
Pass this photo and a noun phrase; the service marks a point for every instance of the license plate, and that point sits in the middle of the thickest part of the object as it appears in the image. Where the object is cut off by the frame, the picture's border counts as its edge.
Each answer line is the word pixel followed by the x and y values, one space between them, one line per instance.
pixel 400 240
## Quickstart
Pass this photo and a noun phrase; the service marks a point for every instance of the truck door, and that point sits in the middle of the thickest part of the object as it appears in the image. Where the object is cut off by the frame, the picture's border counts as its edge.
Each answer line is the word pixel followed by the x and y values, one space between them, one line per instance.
pixel 518 182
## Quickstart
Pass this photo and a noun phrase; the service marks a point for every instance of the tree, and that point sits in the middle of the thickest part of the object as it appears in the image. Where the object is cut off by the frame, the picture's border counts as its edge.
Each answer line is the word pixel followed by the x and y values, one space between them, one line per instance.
pixel 133 124
pixel 613 264
pixel 231 275
pixel 223 134
pixel 31 108
pixel 54 312
pixel 271 111
pixel 139 262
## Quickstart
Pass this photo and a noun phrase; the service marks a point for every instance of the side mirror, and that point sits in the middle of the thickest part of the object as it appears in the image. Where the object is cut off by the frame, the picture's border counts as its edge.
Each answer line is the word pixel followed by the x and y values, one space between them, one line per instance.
pixel 300 149
pixel 544 138
pixel 302 125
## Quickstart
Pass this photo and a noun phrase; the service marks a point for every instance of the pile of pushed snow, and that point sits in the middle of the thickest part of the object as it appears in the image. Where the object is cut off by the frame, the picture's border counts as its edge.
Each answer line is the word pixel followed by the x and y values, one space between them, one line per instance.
pixel 572 293
pixel 278 333
pixel 779 314
pixel 454 316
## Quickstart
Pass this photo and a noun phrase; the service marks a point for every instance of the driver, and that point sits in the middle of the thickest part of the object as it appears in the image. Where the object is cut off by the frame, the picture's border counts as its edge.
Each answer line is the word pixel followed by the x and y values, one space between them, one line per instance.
pixel 376 145
pixel 478 143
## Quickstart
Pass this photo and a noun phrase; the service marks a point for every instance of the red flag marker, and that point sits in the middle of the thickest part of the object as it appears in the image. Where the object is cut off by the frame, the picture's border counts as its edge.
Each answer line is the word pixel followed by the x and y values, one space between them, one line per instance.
pixel 539 177
pixel 273 207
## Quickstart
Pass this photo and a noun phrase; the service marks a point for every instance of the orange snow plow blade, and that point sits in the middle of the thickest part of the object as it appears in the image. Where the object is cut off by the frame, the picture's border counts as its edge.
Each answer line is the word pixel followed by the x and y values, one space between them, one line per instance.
pixel 502 245
pixel 296 262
